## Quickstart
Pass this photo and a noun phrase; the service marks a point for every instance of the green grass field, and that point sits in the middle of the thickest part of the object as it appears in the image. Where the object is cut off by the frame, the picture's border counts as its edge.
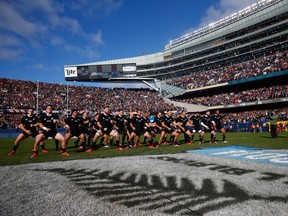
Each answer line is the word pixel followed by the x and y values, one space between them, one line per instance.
pixel 257 140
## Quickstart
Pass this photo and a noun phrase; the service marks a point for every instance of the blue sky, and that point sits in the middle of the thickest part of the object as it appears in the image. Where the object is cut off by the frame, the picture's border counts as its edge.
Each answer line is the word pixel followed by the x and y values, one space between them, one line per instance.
pixel 39 37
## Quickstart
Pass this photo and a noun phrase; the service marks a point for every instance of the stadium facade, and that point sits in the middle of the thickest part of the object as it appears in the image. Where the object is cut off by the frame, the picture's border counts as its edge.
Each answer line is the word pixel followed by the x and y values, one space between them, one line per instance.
pixel 257 31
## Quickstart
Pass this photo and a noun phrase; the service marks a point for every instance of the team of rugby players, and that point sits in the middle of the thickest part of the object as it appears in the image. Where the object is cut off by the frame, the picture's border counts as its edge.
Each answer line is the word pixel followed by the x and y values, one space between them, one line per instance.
pixel 110 127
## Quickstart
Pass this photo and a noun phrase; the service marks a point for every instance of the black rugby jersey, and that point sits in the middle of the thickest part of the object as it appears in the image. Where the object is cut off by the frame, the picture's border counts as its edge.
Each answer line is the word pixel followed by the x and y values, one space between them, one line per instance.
pixel 129 121
pixel 74 123
pixel 183 120
pixel 120 122
pixel 139 123
pixel 28 121
pixel 217 119
pixel 146 121
pixel 94 123
pixel 206 120
pixel 196 121
pixel 106 120
pixel 158 120
pixel 85 123
pixel 167 121
pixel 48 121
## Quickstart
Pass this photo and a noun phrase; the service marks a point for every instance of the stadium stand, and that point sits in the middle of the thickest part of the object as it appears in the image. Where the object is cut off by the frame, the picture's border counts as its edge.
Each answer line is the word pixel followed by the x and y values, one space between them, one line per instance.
pixel 262 66
pixel 259 94
pixel 238 64
pixel 17 96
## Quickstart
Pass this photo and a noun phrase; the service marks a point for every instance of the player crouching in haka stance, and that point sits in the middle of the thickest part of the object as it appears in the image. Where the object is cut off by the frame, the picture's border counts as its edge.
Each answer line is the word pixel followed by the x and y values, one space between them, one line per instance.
pixel 217 123
pixel 105 125
pixel 207 125
pixel 94 129
pixel 181 127
pixel 167 127
pixel 197 128
pixel 48 123
pixel 119 125
pixel 129 129
pixel 141 126
pixel 73 126
pixel 85 128
pixel 157 123
pixel 148 127
pixel 28 126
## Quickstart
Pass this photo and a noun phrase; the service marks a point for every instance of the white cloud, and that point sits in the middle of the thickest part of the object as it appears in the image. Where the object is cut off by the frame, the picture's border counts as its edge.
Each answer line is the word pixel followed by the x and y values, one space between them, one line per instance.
pixel 90 53
pixel 9 41
pixel 97 37
pixel 34 24
pixel 13 21
pixel 39 66
pixel 56 40
pixel 98 8
pixel 43 6
pixel 11 54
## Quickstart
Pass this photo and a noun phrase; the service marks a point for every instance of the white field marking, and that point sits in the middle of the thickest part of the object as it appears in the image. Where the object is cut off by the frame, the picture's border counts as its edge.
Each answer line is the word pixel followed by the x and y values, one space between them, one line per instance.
pixel 266 156
pixel 257 155
pixel 237 152
pixel 280 160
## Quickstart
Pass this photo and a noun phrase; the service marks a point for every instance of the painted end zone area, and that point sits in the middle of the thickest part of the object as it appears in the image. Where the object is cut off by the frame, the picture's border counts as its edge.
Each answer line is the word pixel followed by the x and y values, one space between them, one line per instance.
pixel 276 157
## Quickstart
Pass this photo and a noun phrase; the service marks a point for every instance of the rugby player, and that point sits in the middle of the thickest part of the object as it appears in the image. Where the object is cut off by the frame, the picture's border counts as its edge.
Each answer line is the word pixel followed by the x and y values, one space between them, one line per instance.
pixel 181 127
pixel 73 125
pixel 140 127
pixel 85 128
pixel 217 123
pixel 105 124
pixel 157 123
pixel 149 129
pixel 94 129
pixel 48 125
pixel 28 125
pixel 129 128
pixel 120 120
pixel 197 128
pixel 206 123
pixel 167 127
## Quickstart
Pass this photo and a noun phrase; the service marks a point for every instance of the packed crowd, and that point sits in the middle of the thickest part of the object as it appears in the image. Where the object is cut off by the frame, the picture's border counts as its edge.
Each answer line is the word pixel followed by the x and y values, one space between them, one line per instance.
pixel 23 94
pixel 254 116
pixel 17 94
pixel 265 93
pixel 8 121
pixel 269 64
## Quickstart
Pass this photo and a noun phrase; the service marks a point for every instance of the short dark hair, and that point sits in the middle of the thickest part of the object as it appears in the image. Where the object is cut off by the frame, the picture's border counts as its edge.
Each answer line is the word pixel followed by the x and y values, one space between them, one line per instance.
pixel 73 110
pixel 49 105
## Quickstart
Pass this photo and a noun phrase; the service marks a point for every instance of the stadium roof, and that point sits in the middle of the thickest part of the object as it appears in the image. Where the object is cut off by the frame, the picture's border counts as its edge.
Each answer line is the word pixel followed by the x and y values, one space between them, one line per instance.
pixel 221 23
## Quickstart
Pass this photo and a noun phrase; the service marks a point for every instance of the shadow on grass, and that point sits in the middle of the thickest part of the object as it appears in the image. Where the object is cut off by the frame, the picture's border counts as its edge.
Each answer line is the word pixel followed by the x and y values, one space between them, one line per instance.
pixel 278 137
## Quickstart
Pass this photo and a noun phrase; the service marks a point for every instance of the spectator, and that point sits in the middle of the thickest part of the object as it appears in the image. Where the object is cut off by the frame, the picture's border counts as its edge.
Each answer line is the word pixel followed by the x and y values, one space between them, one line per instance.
pixel 273 124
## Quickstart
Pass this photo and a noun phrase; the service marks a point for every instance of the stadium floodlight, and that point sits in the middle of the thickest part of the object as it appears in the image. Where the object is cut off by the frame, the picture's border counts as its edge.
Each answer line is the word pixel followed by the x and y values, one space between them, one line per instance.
pixel 254 6
pixel 211 24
